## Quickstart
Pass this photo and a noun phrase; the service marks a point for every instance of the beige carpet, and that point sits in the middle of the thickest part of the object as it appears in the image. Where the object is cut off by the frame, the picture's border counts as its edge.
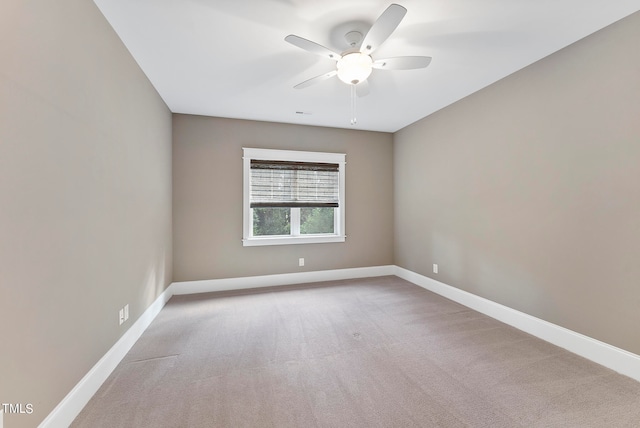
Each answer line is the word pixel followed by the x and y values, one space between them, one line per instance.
pixel 377 352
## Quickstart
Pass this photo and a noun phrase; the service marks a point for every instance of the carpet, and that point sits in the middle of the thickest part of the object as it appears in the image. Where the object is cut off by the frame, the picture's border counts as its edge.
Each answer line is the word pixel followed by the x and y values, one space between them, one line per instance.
pixel 374 352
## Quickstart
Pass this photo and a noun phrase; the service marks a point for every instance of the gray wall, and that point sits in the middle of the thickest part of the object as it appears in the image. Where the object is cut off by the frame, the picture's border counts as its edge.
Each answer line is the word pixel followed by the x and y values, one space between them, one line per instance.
pixel 207 198
pixel 528 192
pixel 85 197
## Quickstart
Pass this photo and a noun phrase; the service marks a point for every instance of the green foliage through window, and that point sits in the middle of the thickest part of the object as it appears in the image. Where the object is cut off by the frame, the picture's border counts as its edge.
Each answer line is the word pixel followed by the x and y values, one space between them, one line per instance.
pixel 316 220
pixel 277 221
pixel 271 221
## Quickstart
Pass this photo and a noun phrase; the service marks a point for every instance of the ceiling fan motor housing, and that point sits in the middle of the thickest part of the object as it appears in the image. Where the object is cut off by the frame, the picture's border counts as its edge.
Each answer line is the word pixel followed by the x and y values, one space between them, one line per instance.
pixel 353 38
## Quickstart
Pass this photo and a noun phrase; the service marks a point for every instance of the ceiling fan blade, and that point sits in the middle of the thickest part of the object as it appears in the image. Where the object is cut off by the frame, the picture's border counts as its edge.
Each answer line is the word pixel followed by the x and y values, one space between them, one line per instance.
pixel 402 63
pixel 362 88
pixel 312 47
pixel 315 80
pixel 382 28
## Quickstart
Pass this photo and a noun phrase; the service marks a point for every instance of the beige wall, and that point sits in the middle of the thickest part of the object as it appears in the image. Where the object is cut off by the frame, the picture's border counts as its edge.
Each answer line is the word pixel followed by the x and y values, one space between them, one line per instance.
pixel 85 197
pixel 528 192
pixel 207 198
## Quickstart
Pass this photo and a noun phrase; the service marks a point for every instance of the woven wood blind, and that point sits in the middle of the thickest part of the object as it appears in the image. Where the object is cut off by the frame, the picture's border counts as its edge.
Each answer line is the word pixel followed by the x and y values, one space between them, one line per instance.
pixel 293 184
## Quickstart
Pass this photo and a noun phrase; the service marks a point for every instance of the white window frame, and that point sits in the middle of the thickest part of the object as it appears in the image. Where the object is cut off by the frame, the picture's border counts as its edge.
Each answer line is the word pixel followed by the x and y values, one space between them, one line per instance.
pixel 295 237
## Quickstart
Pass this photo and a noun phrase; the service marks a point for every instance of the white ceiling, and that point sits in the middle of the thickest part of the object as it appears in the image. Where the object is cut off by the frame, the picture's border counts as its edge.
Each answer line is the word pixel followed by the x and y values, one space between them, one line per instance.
pixel 228 58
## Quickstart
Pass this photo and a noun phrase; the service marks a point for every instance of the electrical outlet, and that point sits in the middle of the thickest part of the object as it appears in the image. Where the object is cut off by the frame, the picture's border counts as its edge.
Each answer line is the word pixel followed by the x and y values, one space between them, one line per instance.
pixel 435 268
pixel 301 261
pixel 121 315
pixel 126 312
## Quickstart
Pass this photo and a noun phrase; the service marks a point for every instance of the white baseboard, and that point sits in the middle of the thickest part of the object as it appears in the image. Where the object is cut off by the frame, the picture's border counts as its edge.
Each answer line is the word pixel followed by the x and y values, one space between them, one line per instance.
pixel 621 361
pixel 225 284
pixel 69 408
pixel 617 359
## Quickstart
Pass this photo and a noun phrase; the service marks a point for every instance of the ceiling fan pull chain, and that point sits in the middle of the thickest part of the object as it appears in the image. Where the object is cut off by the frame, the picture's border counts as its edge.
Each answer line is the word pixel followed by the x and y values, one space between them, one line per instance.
pixel 353 104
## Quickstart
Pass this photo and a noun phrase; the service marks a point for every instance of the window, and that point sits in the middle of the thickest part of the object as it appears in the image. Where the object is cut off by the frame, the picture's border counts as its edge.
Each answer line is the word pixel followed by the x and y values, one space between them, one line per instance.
pixel 293 197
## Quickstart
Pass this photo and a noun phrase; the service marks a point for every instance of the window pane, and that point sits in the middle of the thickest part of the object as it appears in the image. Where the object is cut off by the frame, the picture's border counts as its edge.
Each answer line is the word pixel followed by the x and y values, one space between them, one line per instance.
pixel 316 220
pixel 271 221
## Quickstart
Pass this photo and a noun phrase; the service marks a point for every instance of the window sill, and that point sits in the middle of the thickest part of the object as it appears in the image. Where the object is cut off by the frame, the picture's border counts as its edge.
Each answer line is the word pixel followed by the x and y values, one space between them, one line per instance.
pixel 289 240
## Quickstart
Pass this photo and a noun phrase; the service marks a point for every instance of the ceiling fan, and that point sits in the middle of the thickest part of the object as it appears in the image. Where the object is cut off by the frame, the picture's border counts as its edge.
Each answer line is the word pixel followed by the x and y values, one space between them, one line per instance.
pixel 354 65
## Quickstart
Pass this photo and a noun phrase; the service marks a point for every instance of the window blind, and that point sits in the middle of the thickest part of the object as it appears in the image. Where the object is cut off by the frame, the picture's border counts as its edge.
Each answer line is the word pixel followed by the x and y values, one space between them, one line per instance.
pixel 293 184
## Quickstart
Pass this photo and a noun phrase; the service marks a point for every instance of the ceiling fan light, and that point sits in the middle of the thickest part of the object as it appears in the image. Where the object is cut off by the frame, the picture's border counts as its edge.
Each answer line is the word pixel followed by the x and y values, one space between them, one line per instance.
pixel 354 68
